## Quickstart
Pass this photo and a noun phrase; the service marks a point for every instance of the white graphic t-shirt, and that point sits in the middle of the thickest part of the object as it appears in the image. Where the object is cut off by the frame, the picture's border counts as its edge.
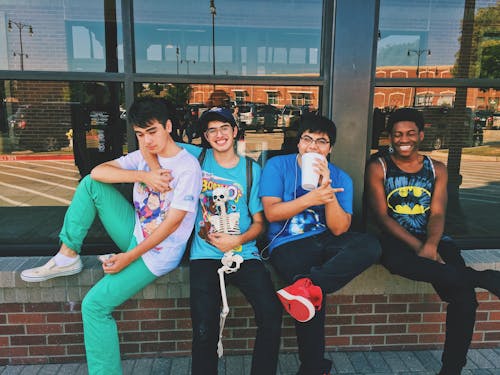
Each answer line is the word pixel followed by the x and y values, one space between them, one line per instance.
pixel 151 207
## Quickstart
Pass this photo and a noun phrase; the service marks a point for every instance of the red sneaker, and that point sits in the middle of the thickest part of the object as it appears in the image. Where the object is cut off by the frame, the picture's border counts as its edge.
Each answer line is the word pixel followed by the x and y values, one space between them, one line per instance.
pixel 301 299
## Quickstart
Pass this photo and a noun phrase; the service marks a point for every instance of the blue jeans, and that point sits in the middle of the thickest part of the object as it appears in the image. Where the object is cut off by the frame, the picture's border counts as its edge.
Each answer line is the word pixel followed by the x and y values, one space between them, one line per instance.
pixel 452 282
pixel 255 283
pixel 330 262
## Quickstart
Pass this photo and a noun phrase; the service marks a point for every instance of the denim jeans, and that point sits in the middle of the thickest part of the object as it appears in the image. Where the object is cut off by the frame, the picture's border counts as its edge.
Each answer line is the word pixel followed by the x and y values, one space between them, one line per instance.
pixel 452 283
pixel 330 262
pixel 255 283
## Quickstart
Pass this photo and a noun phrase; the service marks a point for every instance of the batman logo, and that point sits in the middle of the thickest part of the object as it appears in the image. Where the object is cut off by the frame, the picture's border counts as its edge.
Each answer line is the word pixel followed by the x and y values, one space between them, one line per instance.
pixel 409 200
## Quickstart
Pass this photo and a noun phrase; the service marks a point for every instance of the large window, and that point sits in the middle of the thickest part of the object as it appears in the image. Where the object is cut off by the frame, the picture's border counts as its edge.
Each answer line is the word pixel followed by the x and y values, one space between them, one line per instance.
pixel 79 36
pixel 433 41
pixel 242 38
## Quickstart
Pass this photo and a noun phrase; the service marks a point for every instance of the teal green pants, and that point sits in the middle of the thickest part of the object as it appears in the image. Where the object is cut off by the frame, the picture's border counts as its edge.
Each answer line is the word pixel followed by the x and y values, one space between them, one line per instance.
pixel 117 215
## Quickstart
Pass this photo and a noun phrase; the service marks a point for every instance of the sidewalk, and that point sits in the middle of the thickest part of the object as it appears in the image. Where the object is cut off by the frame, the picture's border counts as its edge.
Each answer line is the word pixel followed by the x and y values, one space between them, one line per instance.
pixel 425 362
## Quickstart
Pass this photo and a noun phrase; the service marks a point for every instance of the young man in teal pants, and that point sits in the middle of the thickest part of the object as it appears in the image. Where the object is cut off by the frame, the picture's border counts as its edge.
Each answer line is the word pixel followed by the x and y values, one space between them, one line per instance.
pixel 152 233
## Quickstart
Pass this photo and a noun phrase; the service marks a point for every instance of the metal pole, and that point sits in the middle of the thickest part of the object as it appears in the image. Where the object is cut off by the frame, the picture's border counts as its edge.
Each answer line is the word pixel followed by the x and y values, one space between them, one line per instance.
pixel 21 44
pixel 177 57
pixel 214 12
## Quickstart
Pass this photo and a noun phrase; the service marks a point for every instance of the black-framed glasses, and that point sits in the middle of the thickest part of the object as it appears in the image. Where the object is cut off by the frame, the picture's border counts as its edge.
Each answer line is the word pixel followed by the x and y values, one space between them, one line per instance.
pixel 224 129
pixel 321 142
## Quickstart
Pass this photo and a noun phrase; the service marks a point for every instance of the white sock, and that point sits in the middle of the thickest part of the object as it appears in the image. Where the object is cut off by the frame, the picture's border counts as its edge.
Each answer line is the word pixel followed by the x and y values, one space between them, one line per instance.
pixel 63 260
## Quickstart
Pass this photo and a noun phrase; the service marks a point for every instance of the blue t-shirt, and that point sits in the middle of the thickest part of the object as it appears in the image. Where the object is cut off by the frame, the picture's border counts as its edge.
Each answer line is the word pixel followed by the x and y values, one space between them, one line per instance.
pixel 223 205
pixel 281 178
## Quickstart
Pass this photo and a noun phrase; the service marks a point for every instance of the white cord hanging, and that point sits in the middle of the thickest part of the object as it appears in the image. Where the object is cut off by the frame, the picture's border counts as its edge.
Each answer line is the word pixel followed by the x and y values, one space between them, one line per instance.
pixel 230 263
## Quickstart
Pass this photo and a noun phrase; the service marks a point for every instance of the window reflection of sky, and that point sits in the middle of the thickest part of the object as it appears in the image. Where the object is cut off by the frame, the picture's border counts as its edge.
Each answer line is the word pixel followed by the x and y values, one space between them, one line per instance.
pixel 259 37
pixel 426 24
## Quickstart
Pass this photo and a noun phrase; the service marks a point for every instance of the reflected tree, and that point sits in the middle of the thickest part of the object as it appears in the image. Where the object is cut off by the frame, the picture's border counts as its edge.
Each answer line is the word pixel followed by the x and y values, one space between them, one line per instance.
pixel 457 134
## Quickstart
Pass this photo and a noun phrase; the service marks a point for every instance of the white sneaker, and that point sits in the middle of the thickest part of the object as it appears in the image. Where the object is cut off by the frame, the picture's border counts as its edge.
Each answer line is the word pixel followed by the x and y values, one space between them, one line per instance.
pixel 50 270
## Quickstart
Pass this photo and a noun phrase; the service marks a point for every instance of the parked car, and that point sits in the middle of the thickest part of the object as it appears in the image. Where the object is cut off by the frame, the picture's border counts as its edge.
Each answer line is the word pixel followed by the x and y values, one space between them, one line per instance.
pixel 441 123
pixel 34 130
pixel 267 117
pixel 258 116
pixel 288 116
pixel 17 121
pixel 484 118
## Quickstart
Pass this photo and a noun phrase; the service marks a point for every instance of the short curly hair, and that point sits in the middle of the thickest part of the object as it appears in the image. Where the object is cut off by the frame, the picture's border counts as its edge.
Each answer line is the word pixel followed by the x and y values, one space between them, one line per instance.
pixel 406 114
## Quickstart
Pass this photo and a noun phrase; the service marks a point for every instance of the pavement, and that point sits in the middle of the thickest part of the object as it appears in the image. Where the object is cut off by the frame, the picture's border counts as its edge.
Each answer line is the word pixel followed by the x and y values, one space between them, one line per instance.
pixel 422 362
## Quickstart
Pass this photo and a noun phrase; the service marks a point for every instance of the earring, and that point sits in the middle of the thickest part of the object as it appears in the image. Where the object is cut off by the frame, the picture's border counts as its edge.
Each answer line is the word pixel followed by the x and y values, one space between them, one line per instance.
pixel 390 149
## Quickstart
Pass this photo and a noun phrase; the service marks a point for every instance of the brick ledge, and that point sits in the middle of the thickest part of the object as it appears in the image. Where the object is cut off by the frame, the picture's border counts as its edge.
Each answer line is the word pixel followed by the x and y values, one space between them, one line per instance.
pixel 375 280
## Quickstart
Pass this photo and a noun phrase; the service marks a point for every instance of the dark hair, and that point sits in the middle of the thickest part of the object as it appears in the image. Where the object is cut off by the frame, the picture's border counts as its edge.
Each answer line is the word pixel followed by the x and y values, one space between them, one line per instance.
pixel 406 114
pixel 147 109
pixel 315 123
pixel 221 114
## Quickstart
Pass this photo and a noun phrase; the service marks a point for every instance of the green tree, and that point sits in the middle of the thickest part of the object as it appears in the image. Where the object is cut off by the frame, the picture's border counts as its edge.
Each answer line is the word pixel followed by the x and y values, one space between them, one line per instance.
pixel 485 47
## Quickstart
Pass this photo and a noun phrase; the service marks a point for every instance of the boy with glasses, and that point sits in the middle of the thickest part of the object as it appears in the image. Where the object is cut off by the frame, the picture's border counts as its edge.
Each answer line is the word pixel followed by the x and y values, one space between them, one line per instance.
pixel 229 219
pixel 310 245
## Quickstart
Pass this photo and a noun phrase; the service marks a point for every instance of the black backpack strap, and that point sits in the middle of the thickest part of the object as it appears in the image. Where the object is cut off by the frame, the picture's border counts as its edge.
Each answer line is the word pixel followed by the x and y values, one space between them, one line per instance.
pixel 249 169
pixel 202 155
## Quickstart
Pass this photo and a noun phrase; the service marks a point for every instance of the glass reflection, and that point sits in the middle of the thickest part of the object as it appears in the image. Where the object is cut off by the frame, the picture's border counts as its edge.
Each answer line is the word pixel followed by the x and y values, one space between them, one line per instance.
pixel 74 36
pixel 425 40
pixel 266 115
pixel 241 38
pixel 75 121
pixel 463 134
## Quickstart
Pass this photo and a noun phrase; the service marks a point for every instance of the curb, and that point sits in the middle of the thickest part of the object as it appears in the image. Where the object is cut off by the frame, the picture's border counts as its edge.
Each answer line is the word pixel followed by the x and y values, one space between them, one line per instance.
pixel 35 157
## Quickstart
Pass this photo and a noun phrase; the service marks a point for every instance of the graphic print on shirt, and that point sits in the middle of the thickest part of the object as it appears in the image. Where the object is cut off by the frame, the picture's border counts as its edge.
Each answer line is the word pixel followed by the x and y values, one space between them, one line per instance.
pixel 408 201
pixel 310 219
pixel 151 209
pixel 218 199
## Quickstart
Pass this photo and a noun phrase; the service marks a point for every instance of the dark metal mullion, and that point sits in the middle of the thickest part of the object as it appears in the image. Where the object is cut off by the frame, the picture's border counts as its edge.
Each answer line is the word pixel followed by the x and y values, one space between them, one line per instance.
pixel 61 76
pixel 229 80
pixel 129 63
pixel 326 57
pixel 440 82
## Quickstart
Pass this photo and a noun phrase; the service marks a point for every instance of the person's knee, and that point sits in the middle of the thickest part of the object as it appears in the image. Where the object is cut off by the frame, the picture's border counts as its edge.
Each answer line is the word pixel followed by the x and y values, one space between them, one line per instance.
pixel 370 247
pixel 270 316
pixel 204 334
pixel 463 300
pixel 91 306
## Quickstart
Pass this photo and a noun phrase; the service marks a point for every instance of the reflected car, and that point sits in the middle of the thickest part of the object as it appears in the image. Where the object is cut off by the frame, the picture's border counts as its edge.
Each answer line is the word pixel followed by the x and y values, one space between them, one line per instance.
pixel 484 118
pixel 258 116
pixel 441 125
pixel 267 117
pixel 288 116
pixel 34 131
pixel 17 121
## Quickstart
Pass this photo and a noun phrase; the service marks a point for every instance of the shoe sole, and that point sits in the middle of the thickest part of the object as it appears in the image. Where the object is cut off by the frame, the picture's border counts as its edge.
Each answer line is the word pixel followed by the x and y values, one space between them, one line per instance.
pixel 48 277
pixel 300 308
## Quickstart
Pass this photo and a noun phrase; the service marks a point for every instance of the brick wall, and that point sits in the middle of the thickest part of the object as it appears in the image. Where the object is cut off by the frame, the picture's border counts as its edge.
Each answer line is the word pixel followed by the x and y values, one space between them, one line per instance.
pixel 367 314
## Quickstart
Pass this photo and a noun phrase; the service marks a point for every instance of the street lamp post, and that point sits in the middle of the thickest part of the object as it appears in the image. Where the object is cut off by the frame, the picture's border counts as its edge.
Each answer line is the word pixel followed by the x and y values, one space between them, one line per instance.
pixel 177 58
pixel 419 53
pixel 187 63
pixel 20 27
pixel 213 12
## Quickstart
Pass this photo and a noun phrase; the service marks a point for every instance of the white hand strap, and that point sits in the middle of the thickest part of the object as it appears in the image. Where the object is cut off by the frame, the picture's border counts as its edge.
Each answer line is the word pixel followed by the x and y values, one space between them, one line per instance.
pixel 230 263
